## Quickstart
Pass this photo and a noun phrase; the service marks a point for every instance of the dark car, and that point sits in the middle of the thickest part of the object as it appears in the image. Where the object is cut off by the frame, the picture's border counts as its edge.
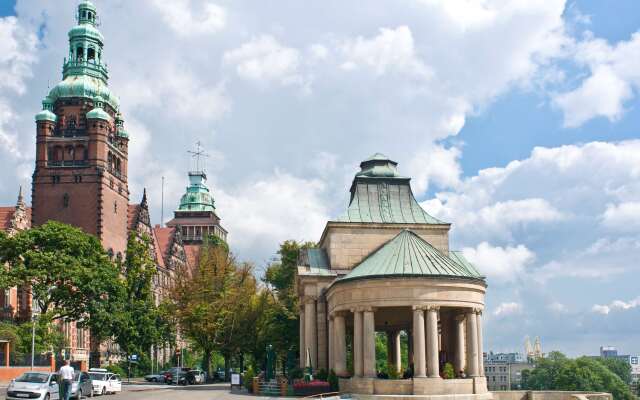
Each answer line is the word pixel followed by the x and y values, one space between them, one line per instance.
pixel 176 374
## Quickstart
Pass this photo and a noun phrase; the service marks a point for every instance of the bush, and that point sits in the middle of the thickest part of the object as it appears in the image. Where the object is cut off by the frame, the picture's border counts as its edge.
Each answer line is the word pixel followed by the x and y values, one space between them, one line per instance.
pixel 116 369
pixel 334 382
pixel 449 372
pixel 321 375
pixel 247 379
pixel 295 373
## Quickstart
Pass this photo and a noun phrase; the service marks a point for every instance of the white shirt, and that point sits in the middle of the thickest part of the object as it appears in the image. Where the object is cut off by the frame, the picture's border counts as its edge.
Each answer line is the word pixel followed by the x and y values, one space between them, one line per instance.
pixel 66 372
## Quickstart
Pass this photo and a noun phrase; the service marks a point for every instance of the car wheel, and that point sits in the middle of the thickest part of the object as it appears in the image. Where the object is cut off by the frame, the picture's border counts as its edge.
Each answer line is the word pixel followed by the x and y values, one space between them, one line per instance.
pixel 154 379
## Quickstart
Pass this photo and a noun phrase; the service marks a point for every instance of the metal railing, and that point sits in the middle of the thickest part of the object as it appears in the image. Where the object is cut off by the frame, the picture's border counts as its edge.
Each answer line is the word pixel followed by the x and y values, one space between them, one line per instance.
pixel 68 163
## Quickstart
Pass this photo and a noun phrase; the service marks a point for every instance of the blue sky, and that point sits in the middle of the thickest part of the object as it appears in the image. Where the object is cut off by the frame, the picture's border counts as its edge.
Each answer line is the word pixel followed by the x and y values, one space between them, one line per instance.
pixel 517 121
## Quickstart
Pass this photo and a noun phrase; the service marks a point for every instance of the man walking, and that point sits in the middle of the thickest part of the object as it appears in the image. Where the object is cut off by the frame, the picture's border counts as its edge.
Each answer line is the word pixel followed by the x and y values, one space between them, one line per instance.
pixel 66 374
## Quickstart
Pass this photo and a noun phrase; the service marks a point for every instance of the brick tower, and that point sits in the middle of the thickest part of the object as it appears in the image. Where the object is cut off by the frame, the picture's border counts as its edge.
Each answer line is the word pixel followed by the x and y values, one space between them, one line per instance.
pixel 80 176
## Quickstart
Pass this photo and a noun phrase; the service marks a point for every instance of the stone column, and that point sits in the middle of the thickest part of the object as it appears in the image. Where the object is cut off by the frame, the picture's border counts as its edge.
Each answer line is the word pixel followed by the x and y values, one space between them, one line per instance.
pixel 480 353
pixel 397 351
pixel 303 351
pixel 357 343
pixel 340 346
pixel 321 335
pixel 369 344
pixel 472 344
pixel 433 366
pixel 310 333
pixel 419 365
pixel 459 351
pixel 331 340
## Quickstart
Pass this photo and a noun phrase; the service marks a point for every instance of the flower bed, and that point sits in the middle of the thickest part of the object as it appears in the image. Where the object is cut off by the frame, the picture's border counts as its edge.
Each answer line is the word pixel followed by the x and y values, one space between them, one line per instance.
pixel 311 388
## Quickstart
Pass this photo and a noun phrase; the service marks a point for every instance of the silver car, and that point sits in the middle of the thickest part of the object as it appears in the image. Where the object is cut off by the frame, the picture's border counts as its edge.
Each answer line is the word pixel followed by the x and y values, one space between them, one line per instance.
pixel 34 385
pixel 81 385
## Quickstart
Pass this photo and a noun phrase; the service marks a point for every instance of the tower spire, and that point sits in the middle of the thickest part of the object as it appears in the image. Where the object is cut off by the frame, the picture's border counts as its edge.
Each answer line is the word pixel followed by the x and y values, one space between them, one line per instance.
pixel 20 202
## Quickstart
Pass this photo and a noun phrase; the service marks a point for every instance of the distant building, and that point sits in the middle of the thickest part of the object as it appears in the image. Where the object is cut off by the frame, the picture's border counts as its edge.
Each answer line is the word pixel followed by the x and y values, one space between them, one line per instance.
pixel 633 360
pixel 504 370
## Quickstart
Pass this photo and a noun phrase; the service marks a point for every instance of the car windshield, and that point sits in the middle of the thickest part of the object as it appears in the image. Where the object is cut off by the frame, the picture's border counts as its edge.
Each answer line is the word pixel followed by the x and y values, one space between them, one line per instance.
pixel 96 376
pixel 33 377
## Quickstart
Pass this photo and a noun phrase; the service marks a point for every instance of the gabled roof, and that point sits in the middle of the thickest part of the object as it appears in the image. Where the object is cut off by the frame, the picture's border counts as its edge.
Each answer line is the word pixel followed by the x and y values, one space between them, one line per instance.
pixel 380 195
pixel 163 237
pixel 408 255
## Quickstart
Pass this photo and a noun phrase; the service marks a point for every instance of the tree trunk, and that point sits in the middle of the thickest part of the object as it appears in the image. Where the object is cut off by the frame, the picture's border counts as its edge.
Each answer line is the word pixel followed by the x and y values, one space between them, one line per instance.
pixel 227 367
pixel 206 362
pixel 241 362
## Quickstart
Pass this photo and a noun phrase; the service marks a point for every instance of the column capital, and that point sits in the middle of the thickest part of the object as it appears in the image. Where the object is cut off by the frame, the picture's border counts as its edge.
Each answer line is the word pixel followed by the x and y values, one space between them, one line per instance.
pixel 419 307
pixel 432 307
pixel 368 309
pixel 477 310
pixel 309 299
pixel 460 317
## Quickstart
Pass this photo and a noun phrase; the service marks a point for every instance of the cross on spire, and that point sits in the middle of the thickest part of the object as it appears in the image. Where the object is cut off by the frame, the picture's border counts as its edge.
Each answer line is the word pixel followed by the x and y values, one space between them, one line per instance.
pixel 197 154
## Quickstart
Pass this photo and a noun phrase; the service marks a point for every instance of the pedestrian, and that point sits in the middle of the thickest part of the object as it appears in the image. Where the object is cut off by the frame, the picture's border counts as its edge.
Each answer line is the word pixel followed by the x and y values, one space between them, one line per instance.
pixel 66 374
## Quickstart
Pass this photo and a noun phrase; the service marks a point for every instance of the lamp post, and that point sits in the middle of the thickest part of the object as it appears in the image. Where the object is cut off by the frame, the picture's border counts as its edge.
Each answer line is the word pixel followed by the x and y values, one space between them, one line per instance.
pixel 34 317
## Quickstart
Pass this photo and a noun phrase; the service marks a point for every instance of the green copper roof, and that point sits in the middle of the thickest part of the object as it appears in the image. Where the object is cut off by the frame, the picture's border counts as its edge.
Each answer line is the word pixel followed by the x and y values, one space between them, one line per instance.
pixel 197 197
pixel 408 255
pixel 379 194
pixel 98 113
pixel 46 115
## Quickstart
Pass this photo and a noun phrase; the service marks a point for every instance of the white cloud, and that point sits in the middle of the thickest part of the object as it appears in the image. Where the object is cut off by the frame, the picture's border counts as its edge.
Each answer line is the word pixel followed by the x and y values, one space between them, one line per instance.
pixel 616 305
pixel 558 308
pixel 612 81
pixel 189 18
pixel 437 165
pixel 264 60
pixel 507 309
pixel 500 264
pixel 391 50
pixel 622 217
pixel 264 212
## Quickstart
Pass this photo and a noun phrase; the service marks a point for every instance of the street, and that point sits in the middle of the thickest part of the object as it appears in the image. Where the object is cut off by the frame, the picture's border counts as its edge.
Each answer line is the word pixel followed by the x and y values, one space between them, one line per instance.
pixel 218 391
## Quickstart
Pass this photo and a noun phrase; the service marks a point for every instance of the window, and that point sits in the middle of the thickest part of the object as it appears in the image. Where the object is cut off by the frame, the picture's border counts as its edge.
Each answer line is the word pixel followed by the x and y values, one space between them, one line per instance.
pixel 115 207
pixel 91 54
pixel 65 200
pixel 6 298
pixel 77 178
pixel 55 178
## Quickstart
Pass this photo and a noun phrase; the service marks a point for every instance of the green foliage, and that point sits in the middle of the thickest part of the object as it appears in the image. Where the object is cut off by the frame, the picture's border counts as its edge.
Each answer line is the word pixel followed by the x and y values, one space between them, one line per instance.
pixel 619 367
pixel 216 303
pixel 557 372
pixel 248 379
pixel 117 369
pixel 448 372
pixel 68 271
pixel 139 323
pixel 321 375
pixel 392 372
pixel 334 382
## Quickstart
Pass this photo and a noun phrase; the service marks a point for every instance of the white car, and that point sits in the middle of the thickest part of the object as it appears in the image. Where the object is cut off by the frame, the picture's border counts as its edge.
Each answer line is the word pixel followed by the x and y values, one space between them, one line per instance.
pixel 104 382
pixel 34 385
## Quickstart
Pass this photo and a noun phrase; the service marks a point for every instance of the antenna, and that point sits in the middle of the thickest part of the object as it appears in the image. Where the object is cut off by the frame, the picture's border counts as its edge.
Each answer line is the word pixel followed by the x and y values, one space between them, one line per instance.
pixel 162 204
pixel 197 154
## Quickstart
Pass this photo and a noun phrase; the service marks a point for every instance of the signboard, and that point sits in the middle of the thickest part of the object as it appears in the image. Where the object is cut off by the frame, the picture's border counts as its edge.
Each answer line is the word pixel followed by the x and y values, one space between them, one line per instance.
pixel 235 379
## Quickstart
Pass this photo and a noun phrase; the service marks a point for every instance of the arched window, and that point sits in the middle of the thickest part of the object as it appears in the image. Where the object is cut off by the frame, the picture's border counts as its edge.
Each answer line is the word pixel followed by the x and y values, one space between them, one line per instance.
pixel 110 161
pixel 79 53
pixel 118 166
pixel 58 153
pixel 71 122
pixel 69 153
pixel 80 153
pixel 91 54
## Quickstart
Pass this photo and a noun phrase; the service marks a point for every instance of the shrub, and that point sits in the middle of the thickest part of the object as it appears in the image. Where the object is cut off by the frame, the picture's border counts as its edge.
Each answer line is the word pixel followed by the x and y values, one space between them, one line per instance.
pixel 117 369
pixel 321 375
pixel 449 372
pixel 334 382
pixel 295 373
pixel 247 379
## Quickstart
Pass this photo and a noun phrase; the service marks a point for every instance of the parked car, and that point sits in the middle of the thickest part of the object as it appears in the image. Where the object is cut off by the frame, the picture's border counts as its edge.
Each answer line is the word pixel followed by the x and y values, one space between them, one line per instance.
pixel 159 377
pixel 81 385
pixel 34 385
pixel 176 374
pixel 104 382
pixel 196 376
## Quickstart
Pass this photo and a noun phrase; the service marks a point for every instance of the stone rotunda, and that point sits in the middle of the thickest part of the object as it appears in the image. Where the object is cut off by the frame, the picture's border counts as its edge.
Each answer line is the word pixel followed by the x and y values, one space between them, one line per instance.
pixel 384 267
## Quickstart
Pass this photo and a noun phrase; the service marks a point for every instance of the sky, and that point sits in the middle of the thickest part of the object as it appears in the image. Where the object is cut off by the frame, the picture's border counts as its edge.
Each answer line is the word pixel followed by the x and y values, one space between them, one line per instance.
pixel 517 121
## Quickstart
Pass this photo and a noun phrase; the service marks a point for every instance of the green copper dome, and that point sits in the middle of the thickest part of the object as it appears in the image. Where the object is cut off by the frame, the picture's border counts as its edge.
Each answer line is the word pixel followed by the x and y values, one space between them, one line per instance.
pixel 84 86
pixel 98 113
pixel 46 115
pixel 378 165
pixel 197 197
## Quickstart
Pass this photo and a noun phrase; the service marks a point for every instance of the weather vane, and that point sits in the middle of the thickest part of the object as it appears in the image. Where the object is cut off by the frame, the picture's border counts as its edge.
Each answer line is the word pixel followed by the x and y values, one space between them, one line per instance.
pixel 197 154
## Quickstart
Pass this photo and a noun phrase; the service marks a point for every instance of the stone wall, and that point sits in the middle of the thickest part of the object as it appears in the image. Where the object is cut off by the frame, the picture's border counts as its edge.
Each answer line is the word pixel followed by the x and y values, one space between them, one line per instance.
pixel 549 395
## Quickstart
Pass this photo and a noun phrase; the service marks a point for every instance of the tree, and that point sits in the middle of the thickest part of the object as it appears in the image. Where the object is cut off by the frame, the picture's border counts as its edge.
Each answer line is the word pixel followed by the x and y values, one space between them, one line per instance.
pixel 280 278
pixel 558 372
pixel 69 273
pixel 619 367
pixel 215 303
pixel 139 323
